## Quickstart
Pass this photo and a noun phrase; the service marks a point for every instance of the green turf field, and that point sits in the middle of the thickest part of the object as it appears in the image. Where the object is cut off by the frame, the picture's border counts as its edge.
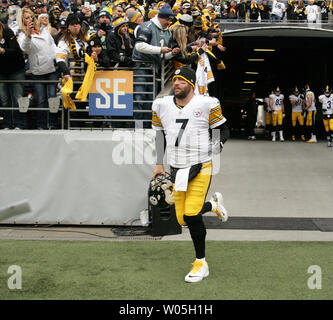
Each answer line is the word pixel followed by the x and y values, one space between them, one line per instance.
pixel 147 270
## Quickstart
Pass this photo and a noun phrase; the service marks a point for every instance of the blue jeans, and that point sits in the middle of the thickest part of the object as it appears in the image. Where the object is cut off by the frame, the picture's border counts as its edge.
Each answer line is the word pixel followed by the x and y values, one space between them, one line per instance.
pixel 142 96
pixel 9 93
pixel 275 17
pixel 44 91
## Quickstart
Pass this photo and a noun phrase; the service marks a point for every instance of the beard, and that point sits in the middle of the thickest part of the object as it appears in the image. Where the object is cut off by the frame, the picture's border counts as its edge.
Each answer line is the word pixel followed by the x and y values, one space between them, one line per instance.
pixel 182 94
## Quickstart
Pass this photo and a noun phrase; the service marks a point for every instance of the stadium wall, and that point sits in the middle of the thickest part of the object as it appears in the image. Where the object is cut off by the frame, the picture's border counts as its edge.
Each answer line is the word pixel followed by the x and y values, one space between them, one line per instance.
pixel 76 177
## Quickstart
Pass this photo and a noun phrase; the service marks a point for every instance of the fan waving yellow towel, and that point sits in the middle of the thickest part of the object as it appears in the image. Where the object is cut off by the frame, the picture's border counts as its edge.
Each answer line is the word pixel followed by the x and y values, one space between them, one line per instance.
pixel 66 90
pixel 88 79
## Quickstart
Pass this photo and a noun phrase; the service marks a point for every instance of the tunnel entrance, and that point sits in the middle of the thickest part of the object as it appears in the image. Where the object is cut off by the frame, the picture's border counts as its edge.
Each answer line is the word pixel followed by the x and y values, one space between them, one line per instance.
pixel 263 58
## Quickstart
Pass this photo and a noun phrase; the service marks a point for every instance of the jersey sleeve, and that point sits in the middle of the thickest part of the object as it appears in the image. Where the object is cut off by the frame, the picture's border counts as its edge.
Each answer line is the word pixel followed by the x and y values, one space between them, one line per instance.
pixel 156 121
pixel 62 51
pixel 216 117
pixel 320 98
pixel 144 34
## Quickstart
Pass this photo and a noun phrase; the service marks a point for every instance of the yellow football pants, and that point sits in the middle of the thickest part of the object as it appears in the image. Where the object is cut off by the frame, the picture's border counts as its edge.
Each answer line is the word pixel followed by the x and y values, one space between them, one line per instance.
pixel 277 118
pixel 297 117
pixel 268 118
pixel 328 124
pixel 190 202
pixel 310 118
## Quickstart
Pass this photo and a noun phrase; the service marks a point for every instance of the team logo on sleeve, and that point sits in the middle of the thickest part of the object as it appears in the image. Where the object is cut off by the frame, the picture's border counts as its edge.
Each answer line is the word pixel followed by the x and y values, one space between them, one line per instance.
pixel 197 113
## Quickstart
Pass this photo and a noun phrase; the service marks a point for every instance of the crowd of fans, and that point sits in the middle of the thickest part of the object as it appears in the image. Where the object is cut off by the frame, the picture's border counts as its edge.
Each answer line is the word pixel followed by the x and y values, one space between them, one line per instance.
pixel 277 10
pixel 46 40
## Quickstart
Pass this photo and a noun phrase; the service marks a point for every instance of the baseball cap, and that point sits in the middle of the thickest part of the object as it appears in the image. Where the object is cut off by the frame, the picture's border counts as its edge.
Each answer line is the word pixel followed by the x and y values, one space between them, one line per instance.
pixel 186 74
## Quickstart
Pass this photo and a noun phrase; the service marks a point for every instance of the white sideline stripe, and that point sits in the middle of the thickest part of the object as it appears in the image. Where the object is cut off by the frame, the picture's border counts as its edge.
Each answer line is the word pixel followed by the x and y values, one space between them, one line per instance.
pixel 255 235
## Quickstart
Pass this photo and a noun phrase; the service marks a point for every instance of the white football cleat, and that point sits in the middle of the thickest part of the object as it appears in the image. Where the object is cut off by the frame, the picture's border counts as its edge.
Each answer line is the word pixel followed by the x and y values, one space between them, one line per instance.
pixel 217 206
pixel 313 139
pixel 199 271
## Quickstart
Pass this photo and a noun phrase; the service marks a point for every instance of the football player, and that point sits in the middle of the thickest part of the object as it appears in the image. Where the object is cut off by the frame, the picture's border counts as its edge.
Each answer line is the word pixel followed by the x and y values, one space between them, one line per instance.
pixel 309 105
pixel 327 104
pixel 277 106
pixel 268 115
pixel 296 100
pixel 189 123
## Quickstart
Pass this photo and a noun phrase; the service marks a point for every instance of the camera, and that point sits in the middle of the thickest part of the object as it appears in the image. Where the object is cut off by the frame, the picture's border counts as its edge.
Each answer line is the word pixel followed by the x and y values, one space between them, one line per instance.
pixel 103 26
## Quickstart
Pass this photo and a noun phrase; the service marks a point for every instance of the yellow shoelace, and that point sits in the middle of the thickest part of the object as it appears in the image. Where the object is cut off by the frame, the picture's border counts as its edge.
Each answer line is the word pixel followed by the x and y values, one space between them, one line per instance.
pixel 196 266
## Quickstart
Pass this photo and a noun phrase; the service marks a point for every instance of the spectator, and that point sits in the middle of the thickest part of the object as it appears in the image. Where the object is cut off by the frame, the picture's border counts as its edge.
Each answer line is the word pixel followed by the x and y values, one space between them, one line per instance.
pixel 3 10
pixel 312 12
pixel 278 10
pixel 12 13
pixel 117 12
pixel 186 8
pixel 254 11
pixel 87 15
pixel 12 68
pixel 72 46
pixel 43 20
pixel 324 9
pixel 99 55
pixel 103 27
pixel 134 5
pixel 55 15
pixel 232 11
pixel 39 45
pixel 135 19
pixel 292 13
pixel 152 45
pixel 265 11
pixel 120 44
pixel 241 10
pixel 40 8
pixel 62 29
pixel 187 54
pixel 301 16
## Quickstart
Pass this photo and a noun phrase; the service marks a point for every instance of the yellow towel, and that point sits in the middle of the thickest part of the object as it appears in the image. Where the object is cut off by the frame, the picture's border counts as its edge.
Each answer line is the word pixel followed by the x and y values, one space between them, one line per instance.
pixel 66 90
pixel 88 79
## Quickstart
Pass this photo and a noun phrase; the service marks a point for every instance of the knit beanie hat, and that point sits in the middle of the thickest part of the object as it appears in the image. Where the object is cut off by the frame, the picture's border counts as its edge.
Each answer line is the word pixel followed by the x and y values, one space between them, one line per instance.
pixel 186 74
pixel 186 19
pixel 166 12
pixel 132 15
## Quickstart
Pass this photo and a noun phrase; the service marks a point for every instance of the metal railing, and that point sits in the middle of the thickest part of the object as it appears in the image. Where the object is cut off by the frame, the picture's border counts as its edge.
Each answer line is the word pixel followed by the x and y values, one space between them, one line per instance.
pixel 233 25
pixel 80 118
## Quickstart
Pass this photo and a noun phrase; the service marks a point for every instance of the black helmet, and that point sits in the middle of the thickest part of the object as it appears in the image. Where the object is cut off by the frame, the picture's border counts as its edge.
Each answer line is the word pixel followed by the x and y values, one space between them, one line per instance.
pixel 160 191
pixel 327 91
pixel 277 90
pixel 296 91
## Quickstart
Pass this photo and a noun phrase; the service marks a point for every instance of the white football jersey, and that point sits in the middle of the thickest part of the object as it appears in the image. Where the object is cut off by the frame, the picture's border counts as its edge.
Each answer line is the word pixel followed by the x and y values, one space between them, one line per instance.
pixel 309 94
pixel 277 101
pixel 187 129
pixel 327 103
pixel 297 107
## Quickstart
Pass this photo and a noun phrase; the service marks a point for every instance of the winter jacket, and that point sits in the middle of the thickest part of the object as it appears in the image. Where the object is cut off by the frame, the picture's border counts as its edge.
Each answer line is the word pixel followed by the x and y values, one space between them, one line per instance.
pixel 120 49
pixel 12 60
pixel 41 51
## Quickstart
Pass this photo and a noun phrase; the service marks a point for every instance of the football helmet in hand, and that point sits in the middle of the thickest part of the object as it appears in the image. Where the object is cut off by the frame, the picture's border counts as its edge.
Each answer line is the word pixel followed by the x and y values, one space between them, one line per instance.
pixel 160 191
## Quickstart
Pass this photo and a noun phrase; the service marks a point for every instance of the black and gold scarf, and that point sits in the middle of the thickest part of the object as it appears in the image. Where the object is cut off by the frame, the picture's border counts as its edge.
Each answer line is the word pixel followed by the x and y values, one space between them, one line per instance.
pixel 78 56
